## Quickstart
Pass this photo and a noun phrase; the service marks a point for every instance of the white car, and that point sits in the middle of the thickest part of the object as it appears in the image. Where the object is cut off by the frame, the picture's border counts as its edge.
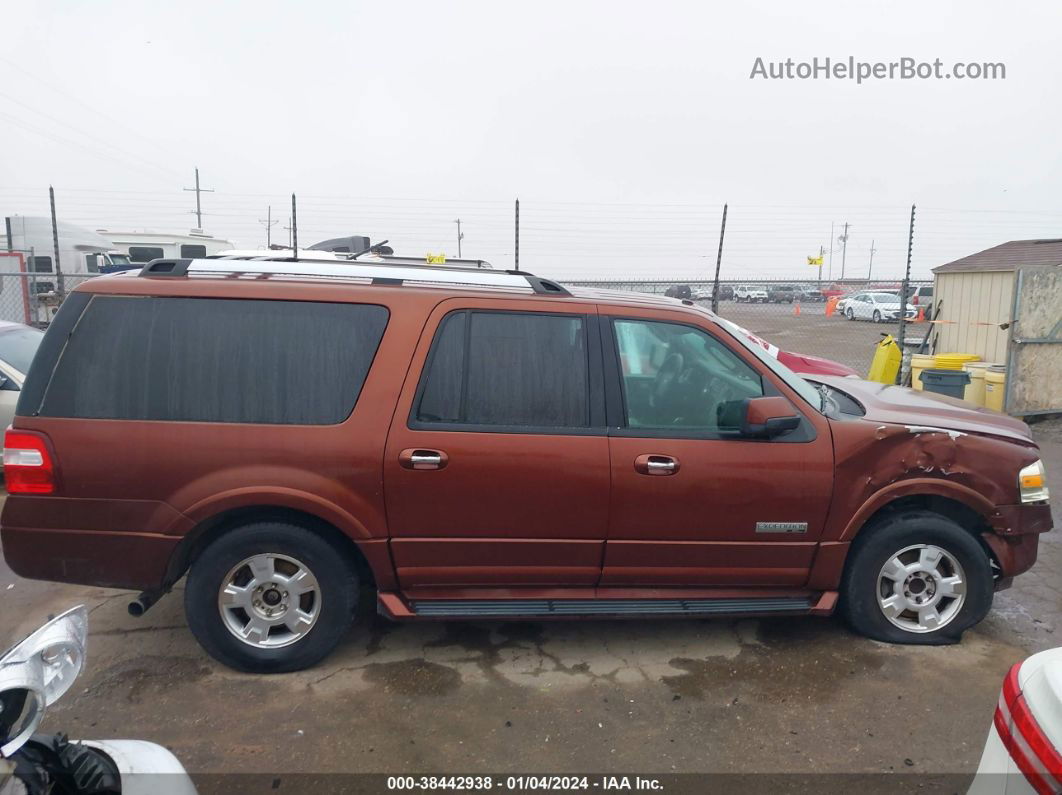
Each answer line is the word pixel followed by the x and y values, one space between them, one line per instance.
pixel 18 345
pixel 750 293
pixel 1024 749
pixel 878 307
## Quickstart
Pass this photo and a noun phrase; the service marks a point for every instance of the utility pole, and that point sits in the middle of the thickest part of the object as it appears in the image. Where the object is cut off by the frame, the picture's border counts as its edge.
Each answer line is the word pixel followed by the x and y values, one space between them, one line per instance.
pixel 268 223
pixel 288 229
pixel 844 248
pixel 870 269
pixel 901 375
pixel 198 206
pixel 719 263
pixel 294 230
pixel 55 242
pixel 822 251
pixel 460 237
pixel 830 276
pixel 517 257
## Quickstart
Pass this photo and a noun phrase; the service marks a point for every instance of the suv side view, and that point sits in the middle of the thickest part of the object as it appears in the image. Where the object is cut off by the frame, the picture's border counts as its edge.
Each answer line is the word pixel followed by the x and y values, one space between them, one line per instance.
pixel 750 294
pixel 487 444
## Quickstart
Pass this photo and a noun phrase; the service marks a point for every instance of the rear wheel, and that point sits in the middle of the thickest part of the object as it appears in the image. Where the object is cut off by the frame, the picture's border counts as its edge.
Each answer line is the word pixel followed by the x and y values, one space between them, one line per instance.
pixel 918 577
pixel 270 597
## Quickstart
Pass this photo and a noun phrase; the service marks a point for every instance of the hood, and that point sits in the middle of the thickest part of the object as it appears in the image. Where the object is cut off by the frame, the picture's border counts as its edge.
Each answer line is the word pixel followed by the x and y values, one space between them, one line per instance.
pixel 807 364
pixel 902 406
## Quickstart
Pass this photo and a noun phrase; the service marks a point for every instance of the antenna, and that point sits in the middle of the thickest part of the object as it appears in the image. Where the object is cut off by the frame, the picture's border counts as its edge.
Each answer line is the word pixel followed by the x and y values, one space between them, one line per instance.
pixel 366 251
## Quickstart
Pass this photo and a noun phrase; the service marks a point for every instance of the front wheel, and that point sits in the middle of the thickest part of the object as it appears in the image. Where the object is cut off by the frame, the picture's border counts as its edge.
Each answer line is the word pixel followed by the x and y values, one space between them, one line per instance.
pixel 848 313
pixel 877 316
pixel 270 597
pixel 917 577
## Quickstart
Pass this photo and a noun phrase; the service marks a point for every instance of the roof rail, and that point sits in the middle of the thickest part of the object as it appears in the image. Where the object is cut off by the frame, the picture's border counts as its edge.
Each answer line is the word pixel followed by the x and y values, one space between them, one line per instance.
pixel 377 273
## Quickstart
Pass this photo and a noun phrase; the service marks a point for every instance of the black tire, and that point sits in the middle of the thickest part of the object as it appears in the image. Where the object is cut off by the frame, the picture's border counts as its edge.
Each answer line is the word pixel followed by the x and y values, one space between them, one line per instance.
pixel 877 316
pixel 848 313
pixel 878 543
pixel 338 594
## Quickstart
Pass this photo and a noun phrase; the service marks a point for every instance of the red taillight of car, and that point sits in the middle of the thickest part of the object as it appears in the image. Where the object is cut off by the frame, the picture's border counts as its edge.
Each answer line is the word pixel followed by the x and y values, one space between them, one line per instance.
pixel 1032 751
pixel 914 299
pixel 28 465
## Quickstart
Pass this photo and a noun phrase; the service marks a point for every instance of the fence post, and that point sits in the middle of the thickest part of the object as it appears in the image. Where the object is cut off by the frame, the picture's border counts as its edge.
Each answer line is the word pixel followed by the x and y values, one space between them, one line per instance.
pixel 55 243
pixel 905 360
pixel 718 264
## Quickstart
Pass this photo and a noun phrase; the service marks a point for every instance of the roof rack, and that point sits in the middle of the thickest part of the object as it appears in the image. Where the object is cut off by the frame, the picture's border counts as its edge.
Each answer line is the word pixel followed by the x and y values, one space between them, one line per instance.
pixel 376 273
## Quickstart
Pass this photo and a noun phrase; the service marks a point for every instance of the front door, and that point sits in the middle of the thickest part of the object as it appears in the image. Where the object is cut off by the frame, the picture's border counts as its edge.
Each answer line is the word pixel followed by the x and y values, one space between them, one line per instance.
pixel 496 471
pixel 694 503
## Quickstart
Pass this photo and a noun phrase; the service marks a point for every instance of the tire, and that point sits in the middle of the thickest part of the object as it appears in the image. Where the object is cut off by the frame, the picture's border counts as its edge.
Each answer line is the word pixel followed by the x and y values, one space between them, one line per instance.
pixel 877 316
pixel 848 313
pixel 913 538
pixel 327 606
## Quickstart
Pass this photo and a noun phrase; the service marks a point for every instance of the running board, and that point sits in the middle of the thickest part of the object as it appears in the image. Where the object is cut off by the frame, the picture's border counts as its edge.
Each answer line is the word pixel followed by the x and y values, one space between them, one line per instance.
pixel 490 608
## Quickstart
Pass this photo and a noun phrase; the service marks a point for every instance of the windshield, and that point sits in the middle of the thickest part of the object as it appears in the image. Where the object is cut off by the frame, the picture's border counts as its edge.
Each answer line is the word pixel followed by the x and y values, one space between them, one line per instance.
pixel 885 298
pixel 119 259
pixel 799 385
pixel 18 346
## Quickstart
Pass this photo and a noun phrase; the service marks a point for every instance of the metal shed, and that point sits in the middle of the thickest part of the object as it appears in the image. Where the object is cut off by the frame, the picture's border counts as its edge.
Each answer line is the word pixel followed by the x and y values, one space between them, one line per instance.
pixel 1005 305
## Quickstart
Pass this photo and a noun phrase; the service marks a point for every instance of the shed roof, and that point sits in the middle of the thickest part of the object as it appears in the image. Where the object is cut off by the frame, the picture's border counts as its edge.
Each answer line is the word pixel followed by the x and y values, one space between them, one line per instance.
pixel 1009 256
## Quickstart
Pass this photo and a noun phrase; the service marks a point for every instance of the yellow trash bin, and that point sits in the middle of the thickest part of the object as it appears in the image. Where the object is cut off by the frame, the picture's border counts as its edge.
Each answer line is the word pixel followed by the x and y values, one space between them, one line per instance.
pixel 995 386
pixel 886 362
pixel 953 361
pixel 919 362
pixel 975 390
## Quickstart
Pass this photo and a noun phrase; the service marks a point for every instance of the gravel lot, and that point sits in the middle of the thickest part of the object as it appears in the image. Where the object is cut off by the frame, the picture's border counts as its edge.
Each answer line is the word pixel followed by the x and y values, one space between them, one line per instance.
pixel 767 696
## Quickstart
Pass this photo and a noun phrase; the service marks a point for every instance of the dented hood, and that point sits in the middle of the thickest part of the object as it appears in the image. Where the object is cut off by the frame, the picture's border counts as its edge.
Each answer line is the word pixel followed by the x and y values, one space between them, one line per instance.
pixel 903 406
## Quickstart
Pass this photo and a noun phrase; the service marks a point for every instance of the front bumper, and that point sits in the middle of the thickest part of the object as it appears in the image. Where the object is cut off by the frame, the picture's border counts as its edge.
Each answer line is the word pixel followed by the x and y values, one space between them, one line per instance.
pixel 1015 539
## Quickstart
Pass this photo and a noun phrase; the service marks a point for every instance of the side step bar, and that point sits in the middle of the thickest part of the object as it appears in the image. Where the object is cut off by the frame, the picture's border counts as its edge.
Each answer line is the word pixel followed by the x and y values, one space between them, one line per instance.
pixel 394 606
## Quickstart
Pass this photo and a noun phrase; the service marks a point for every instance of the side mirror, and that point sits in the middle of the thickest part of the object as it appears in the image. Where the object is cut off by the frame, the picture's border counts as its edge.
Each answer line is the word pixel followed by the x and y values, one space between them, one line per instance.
pixel 767 417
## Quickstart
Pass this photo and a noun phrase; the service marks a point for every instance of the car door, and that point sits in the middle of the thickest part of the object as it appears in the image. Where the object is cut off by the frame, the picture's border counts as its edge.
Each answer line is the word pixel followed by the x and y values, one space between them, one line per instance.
pixel 496 470
pixel 693 502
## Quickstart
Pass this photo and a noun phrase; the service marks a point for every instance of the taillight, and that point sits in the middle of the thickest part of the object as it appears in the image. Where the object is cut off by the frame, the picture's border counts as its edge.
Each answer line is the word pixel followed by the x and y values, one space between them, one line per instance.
pixel 1032 751
pixel 28 465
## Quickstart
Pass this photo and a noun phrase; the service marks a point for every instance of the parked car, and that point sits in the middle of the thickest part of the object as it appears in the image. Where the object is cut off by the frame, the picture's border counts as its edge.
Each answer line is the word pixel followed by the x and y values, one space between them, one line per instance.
pixel 921 295
pixel 1023 753
pixel 879 307
pixel 474 443
pixel 782 293
pixel 810 294
pixel 18 344
pixel 800 363
pixel 726 293
pixel 750 294
pixel 682 291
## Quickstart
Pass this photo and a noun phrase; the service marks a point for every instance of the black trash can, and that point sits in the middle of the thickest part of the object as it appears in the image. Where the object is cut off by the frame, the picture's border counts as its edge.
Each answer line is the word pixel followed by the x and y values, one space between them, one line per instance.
pixel 945 382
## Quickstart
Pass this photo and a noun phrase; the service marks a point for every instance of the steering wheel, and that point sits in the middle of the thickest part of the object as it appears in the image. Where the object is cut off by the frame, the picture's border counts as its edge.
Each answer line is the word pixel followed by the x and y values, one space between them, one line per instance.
pixel 666 378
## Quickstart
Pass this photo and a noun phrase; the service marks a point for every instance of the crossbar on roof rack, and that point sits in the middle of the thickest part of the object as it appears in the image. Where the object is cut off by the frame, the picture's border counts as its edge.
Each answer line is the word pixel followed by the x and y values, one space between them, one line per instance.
pixel 378 273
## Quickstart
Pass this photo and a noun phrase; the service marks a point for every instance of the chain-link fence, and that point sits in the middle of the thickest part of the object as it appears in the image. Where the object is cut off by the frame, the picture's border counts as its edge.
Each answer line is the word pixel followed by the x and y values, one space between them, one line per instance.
pixel 800 317
pixel 30 296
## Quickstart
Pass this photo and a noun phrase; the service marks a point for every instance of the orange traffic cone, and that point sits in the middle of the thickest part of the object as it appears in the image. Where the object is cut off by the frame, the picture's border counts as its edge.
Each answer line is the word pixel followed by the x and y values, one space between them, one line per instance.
pixel 921 315
pixel 796 309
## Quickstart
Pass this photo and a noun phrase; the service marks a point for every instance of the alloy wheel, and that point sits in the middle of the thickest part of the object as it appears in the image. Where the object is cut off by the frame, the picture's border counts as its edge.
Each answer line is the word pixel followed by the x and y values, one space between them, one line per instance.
pixel 269 601
pixel 921 588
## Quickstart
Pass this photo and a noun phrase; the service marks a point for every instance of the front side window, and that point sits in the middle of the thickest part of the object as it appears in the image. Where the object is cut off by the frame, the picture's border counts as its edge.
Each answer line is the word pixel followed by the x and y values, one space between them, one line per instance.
pixel 42 264
pixel 679 377
pixel 215 360
pixel 515 369
pixel 145 253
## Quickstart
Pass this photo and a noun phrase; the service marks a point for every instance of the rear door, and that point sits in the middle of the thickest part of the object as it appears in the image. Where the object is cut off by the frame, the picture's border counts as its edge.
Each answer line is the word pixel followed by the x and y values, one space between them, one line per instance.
pixel 496 470
pixel 694 503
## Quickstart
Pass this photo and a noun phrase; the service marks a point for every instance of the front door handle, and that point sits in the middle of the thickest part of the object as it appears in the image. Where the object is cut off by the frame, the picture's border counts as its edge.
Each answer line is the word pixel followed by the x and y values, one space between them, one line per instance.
pixel 653 464
pixel 417 458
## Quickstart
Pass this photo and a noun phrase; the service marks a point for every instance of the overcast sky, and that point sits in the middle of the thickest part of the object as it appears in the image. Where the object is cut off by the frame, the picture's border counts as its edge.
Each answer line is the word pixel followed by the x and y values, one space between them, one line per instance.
pixel 622 127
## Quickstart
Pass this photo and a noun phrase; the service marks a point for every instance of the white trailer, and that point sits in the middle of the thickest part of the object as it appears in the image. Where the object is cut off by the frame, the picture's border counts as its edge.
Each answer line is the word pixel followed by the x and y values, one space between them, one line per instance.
pixel 142 247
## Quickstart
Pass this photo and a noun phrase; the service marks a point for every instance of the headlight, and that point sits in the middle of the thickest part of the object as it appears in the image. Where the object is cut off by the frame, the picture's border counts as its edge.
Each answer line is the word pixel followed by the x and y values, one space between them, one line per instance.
pixel 1032 483
pixel 36 672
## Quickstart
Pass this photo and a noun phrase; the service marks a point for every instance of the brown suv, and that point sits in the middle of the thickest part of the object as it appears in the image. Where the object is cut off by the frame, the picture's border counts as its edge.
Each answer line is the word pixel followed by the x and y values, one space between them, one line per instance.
pixel 485 444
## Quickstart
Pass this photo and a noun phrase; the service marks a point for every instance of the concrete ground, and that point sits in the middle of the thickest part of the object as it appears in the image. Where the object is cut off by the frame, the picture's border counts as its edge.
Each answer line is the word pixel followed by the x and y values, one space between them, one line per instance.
pixel 793 696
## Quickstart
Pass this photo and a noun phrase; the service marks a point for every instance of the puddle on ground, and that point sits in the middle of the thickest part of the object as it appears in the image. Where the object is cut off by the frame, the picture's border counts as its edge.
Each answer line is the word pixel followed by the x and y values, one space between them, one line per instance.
pixel 413 677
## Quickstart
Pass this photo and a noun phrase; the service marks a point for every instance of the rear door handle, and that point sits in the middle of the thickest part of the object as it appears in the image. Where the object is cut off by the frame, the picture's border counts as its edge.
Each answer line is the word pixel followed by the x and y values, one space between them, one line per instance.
pixel 654 464
pixel 417 458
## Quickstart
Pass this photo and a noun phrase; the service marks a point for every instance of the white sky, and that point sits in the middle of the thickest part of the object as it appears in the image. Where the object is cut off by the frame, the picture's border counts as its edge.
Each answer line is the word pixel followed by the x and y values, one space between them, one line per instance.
pixel 621 127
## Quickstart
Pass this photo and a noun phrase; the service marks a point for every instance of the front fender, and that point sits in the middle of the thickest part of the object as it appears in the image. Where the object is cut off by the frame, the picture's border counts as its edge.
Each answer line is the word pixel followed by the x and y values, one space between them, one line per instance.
pixel 919 487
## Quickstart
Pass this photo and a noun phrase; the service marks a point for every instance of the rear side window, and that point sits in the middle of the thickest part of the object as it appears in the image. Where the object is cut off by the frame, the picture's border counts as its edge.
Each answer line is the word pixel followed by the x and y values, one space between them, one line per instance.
pixel 193 251
pixel 215 360
pixel 145 253
pixel 516 369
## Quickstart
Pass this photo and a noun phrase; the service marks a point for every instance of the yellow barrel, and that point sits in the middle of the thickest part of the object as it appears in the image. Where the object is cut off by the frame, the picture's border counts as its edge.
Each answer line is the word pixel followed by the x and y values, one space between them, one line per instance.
pixel 919 362
pixel 995 386
pixel 975 390
pixel 953 361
